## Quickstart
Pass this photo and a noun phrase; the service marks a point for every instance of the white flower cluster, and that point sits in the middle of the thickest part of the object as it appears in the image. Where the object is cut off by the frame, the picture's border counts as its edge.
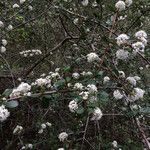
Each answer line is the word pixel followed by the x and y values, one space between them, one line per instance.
pixel 60 149
pixel 136 94
pixel 44 126
pixel 133 80
pixel 4 113
pixel 30 53
pixel 84 95
pixel 121 5
pixel 22 89
pixel 73 106
pixel 97 114
pixel 22 1
pixel 139 46
pixel 122 54
pixel 106 79
pixel 85 2
pixel 42 82
pixel 76 75
pixel 3 47
pixel 122 39
pixel 63 136
pixel 92 88
pixel 117 94
pixel 18 129
pixel 114 144
pixel 88 73
pixel 78 86
pixel 27 146
pixel 92 57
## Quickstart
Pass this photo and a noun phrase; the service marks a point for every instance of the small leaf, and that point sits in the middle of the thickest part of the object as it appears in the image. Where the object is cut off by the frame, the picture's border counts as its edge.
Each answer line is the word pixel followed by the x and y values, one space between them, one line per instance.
pixel 11 104
pixel 7 92
pixel 80 110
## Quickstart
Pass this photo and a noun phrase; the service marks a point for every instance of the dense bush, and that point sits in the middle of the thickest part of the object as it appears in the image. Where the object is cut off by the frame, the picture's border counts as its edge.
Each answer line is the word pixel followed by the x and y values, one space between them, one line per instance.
pixel 74 74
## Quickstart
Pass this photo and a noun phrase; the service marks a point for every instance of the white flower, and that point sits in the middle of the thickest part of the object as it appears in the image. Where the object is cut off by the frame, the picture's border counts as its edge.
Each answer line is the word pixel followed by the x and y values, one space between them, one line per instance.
pixel 122 54
pixel 92 57
pixel 144 41
pixel 121 74
pixel 40 131
pixel 117 95
pixel 76 75
pixel 137 94
pixel 137 78
pixel 115 144
pixel 42 82
pixel 4 113
pixel 4 42
pixel 73 106
pixel 60 149
pixel 128 2
pixel 85 2
pixel 18 129
pixel 141 34
pixel 97 115
pixel 131 80
pixel 120 5
pixel 63 136
pixel 24 87
pixel 92 88
pixel 89 73
pixel 138 47
pixel 76 21
pixel 48 124
pixel 3 49
pixel 30 146
pixel 10 27
pixel 43 126
pixel 15 6
pixel 22 1
pixel 84 95
pixel 30 7
pixel 122 39
pixel 106 79
pixel 1 24
pixel 78 86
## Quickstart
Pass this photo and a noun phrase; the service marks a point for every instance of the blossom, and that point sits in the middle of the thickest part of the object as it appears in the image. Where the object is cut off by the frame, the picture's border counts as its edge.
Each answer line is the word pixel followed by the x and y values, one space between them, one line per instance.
pixel 122 39
pixel 84 95
pixel 92 57
pixel 76 75
pixel 97 114
pixel 128 2
pixel 1 24
pixel 48 124
pixel 106 79
pixel 60 149
pixel 10 27
pixel 42 81
pixel 122 54
pixel 121 74
pixel 22 1
pixel 138 47
pixel 78 86
pixel 4 113
pixel 30 7
pixel 117 95
pixel 92 88
pixel 63 136
pixel 136 94
pixel 18 129
pixel 4 42
pixel 73 106
pixel 131 80
pixel 43 126
pixel 120 5
pixel 3 49
pixel 115 144
pixel 23 88
pixel 85 2
pixel 15 6
pixel 141 34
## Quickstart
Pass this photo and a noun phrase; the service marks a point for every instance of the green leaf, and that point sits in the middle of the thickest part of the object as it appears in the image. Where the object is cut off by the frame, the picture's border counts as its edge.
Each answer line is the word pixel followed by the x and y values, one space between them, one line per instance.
pixel 11 104
pixel 7 92
pixel 80 110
